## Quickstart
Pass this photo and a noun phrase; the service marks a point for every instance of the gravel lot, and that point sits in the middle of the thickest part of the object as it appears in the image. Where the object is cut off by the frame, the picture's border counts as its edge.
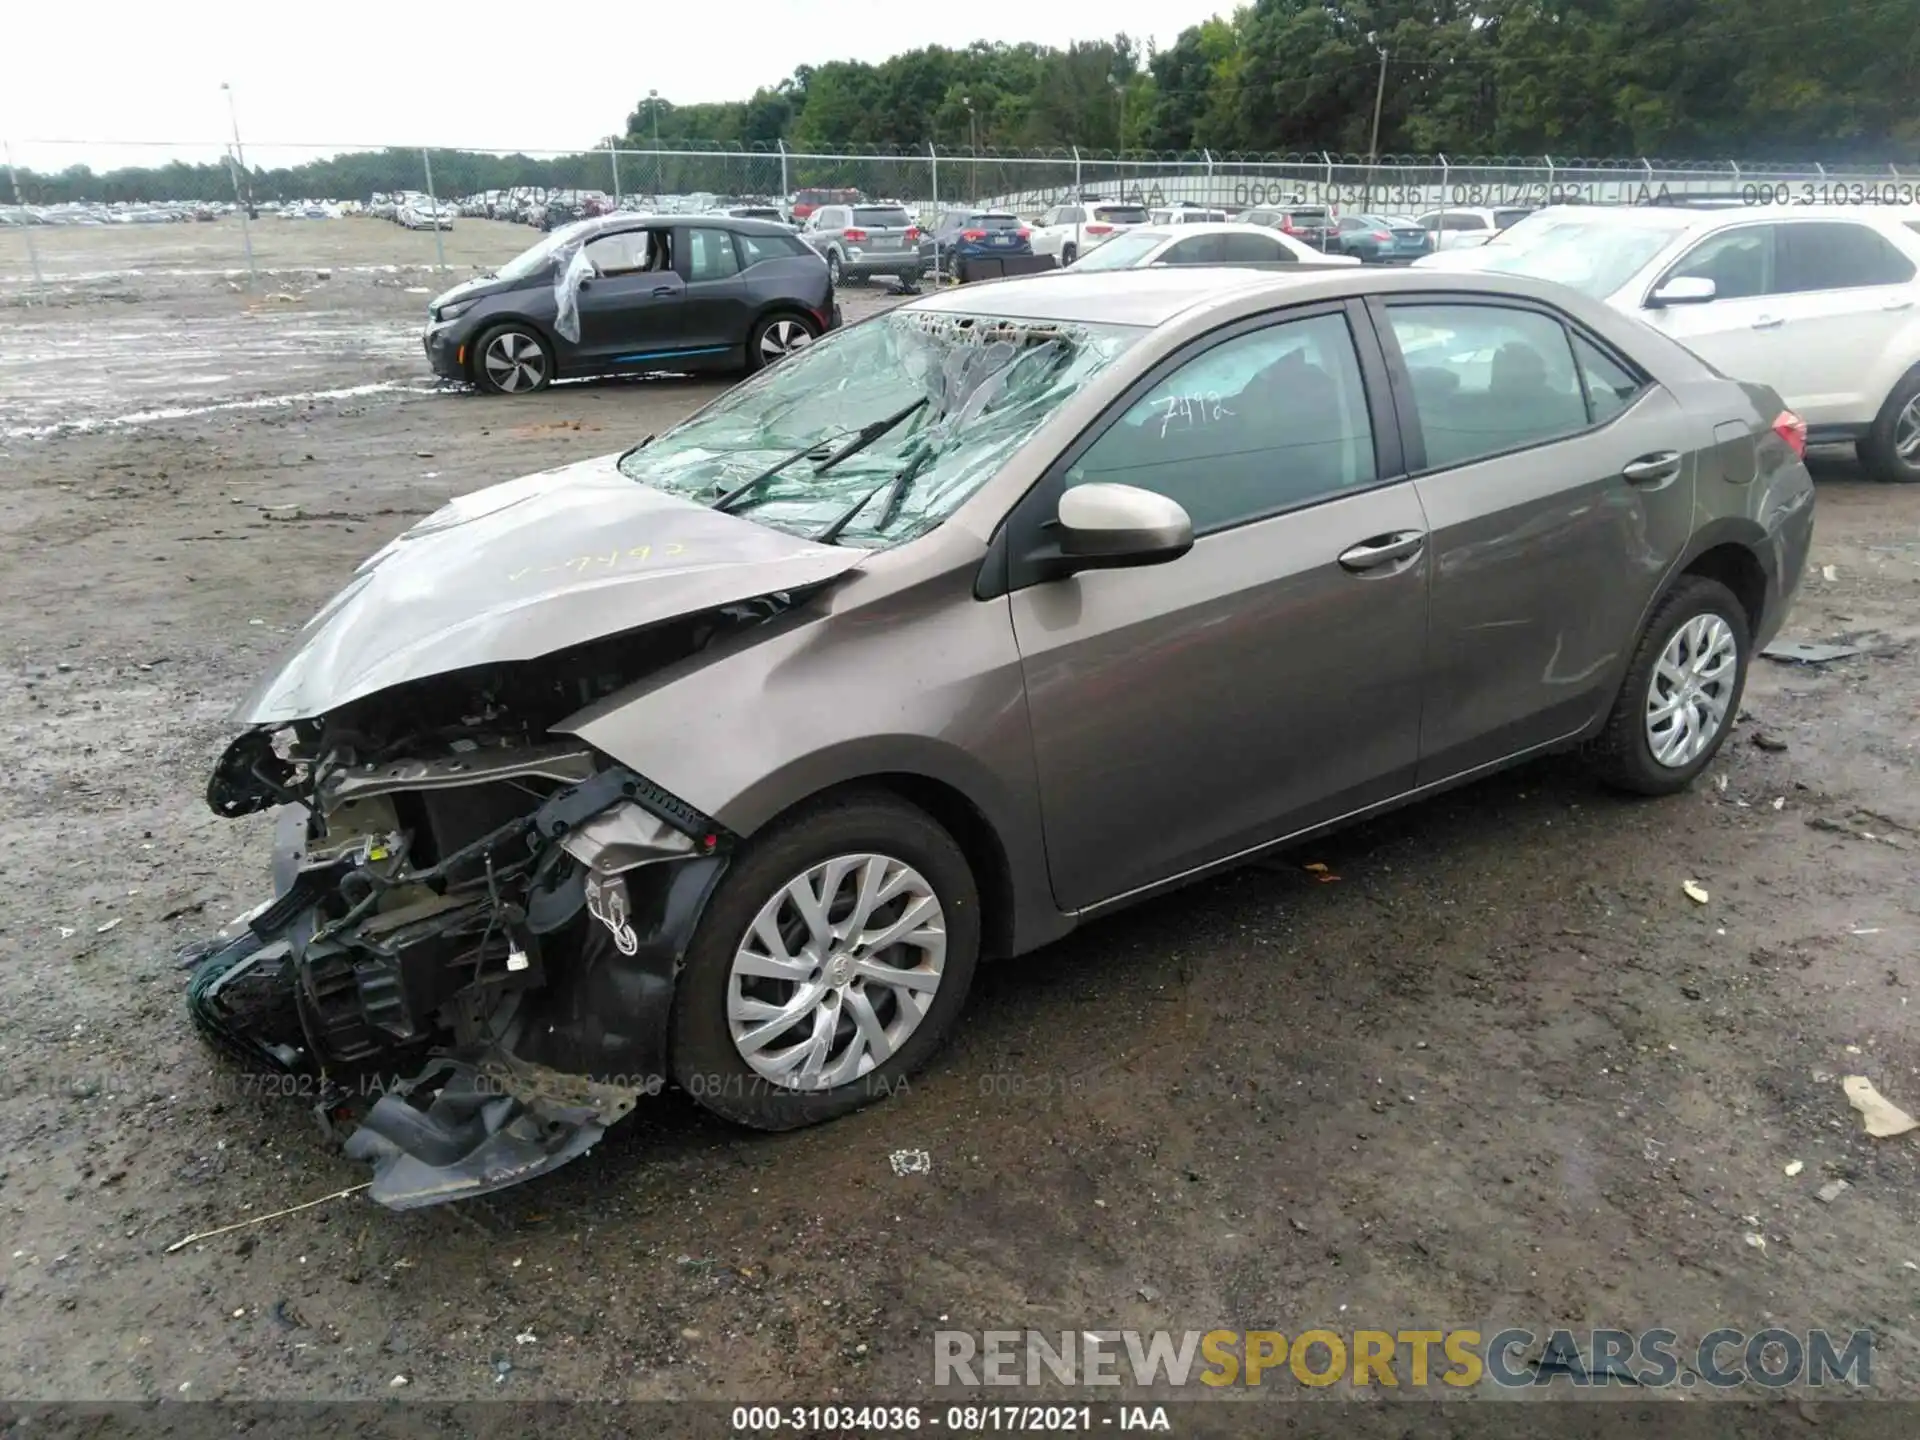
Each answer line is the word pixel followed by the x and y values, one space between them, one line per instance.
pixel 1502 1071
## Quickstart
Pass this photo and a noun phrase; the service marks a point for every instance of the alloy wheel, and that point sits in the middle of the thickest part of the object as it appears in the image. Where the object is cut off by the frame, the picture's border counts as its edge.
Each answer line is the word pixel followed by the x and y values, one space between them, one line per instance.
pixel 782 338
pixel 1691 690
pixel 837 969
pixel 514 362
pixel 1906 432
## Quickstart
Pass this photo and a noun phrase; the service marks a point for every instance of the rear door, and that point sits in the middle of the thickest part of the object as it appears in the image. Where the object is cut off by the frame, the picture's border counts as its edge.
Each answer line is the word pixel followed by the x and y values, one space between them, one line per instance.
pixel 1269 679
pixel 1845 293
pixel 718 311
pixel 632 305
pixel 1558 483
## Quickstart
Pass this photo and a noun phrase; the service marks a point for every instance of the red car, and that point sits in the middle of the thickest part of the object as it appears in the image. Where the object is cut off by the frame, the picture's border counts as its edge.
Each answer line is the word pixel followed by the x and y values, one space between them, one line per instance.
pixel 805 202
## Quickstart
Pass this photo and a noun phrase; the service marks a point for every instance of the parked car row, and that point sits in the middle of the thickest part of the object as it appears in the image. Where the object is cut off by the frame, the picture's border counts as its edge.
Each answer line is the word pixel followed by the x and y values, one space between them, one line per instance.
pixel 167 212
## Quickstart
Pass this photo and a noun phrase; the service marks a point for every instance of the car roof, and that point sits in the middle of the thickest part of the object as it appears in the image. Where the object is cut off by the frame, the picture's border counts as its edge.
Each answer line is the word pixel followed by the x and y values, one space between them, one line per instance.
pixel 1213 227
pixel 628 219
pixel 1156 296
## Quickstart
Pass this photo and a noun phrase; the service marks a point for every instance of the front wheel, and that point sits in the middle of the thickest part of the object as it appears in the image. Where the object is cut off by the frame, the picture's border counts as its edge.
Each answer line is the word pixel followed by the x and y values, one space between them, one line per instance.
pixel 512 360
pixel 1068 254
pixel 1891 449
pixel 831 964
pixel 1681 693
pixel 833 268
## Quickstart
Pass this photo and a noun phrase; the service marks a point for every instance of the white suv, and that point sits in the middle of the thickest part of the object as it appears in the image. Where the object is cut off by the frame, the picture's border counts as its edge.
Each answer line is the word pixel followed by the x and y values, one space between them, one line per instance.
pixel 1821 303
pixel 1069 230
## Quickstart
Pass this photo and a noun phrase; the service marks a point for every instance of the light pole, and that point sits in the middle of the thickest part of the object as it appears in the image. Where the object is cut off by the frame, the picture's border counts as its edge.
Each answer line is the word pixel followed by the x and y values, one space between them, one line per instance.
pixel 1373 144
pixel 659 170
pixel 245 201
pixel 973 144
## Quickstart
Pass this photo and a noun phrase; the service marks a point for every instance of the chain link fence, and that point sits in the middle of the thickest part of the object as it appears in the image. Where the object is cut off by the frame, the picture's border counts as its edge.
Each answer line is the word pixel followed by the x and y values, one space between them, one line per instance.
pixel 241 212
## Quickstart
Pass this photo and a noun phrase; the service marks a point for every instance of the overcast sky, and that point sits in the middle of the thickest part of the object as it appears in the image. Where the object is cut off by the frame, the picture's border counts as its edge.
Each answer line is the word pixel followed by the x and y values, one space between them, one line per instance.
pixel 356 73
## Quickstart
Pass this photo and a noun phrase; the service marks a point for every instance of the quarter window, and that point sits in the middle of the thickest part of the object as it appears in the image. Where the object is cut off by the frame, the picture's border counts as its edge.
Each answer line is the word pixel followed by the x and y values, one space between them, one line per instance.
pixel 1262 423
pixel 710 255
pixel 1243 249
pixel 1837 255
pixel 1487 379
pixel 1610 386
pixel 1197 250
pixel 755 248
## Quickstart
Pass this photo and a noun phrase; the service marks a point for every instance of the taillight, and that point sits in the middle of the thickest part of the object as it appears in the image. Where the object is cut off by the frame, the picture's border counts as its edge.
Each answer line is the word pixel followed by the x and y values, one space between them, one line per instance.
pixel 1286 224
pixel 973 234
pixel 1098 229
pixel 1381 235
pixel 1792 429
pixel 913 232
pixel 1024 233
pixel 854 235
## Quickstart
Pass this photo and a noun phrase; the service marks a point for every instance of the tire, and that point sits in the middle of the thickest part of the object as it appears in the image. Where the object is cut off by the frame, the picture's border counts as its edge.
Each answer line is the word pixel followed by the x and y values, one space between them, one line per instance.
pixel 1068 254
pixel 833 268
pixel 706 1060
pixel 512 359
pixel 1897 422
pixel 1708 616
pixel 777 336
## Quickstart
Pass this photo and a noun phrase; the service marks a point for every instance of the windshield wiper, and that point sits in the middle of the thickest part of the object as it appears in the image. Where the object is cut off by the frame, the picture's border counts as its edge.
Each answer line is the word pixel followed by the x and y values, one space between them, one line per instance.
pixel 862 438
pixel 895 487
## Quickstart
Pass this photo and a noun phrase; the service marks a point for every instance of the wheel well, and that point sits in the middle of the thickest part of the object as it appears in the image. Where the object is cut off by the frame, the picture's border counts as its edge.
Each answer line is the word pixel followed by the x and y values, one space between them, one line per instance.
pixel 787 308
pixel 975 836
pixel 1735 567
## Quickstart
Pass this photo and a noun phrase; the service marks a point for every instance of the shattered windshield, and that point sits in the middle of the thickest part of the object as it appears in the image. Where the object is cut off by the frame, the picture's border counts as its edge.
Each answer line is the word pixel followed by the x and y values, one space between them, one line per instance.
pixel 536 258
pixel 989 383
pixel 1594 257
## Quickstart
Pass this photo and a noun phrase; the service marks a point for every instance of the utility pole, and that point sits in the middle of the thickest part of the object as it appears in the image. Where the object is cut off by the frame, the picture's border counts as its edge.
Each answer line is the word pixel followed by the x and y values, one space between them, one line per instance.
pixel 33 252
pixel 1373 145
pixel 659 166
pixel 973 143
pixel 245 200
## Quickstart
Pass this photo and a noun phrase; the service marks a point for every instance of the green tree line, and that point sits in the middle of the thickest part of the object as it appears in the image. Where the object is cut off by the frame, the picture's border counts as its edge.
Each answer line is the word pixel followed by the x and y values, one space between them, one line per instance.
pixel 1759 80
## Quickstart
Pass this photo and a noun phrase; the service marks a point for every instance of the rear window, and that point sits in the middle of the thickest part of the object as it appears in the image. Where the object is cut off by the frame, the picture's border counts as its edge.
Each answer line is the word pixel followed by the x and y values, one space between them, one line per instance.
pixel 993 222
pixel 1313 216
pixel 881 217
pixel 1503 218
pixel 1121 214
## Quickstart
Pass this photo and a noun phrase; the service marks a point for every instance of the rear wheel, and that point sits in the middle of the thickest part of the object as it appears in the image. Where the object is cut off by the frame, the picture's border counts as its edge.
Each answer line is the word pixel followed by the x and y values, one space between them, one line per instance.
pixel 1681 693
pixel 1891 449
pixel 512 360
pixel 1068 254
pixel 833 267
pixel 776 337
pixel 831 964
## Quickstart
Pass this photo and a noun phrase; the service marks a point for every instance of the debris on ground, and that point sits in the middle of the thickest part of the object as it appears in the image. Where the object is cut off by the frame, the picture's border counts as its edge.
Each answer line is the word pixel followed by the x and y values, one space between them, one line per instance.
pixel 262 1219
pixel 1803 652
pixel 1757 1241
pixel 911 1162
pixel 1794 1167
pixel 1772 744
pixel 103 929
pixel 1882 1117
pixel 1832 1191
pixel 1695 891
pixel 1320 873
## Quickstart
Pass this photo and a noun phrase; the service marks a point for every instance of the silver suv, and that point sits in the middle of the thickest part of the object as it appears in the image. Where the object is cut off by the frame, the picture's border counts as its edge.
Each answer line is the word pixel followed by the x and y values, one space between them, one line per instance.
pixel 862 241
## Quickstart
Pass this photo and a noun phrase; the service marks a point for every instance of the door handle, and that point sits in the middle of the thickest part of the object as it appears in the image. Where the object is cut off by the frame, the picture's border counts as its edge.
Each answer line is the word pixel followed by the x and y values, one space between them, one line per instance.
pixel 660 292
pixel 1382 550
pixel 1768 322
pixel 1653 469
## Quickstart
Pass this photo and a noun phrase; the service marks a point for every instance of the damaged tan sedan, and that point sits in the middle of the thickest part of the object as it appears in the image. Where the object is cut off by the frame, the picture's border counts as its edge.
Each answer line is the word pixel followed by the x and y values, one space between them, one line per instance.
pixel 723 761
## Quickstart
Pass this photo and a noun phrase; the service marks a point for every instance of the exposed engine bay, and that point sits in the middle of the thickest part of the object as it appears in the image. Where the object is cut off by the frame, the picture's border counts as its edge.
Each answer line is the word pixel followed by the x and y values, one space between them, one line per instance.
pixel 476 925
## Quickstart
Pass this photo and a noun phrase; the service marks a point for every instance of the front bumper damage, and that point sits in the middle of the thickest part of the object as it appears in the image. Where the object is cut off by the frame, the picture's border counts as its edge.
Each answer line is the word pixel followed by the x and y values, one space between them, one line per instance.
pixel 469 959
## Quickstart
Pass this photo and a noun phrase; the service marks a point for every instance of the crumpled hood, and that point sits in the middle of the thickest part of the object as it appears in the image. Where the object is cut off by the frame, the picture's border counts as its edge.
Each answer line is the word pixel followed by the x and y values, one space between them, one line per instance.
pixel 523 569
pixel 470 289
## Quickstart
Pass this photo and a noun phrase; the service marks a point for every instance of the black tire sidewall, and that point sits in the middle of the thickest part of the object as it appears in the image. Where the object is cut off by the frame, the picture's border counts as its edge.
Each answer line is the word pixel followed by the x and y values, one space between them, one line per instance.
pixel 766 323
pixel 1878 452
pixel 494 332
pixel 704 1059
pixel 1630 758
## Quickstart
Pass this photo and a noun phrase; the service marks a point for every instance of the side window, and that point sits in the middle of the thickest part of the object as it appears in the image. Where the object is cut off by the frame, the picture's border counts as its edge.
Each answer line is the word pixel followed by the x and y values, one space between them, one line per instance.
pixel 1740 262
pixel 755 248
pixel 1243 249
pixel 1837 255
pixel 1610 386
pixel 1195 250
pixel 710 255
pixel 1487 379
pixel 620 254
pixel 1261 423
pixel 1431 222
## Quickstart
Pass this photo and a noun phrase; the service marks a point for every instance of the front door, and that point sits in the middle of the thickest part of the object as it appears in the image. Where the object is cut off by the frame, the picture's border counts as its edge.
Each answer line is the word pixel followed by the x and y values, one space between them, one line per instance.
pixel 1269 679
pixel 717 314
pixel 630 307
pixel 1558 482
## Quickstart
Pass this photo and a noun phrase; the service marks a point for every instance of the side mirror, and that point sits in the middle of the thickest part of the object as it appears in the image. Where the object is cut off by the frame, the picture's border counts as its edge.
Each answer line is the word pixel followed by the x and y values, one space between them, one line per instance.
pixel 1110 527
pixel 1682 290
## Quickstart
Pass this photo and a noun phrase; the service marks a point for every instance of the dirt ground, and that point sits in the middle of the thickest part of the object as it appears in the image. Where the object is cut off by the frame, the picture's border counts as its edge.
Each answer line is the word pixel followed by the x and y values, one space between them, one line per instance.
pixel 1501 1071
